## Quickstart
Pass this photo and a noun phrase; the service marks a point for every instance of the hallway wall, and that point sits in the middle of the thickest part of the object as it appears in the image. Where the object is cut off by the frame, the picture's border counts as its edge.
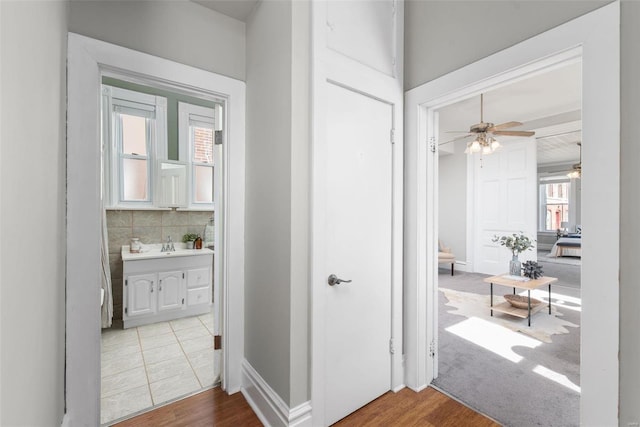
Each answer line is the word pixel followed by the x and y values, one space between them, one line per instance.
pixel 33 52
pixel 181 31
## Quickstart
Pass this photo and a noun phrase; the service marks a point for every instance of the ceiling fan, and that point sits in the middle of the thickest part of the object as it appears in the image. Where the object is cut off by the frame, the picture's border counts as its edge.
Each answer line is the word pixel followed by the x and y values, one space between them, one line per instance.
pixel 576 170
pixel 485 132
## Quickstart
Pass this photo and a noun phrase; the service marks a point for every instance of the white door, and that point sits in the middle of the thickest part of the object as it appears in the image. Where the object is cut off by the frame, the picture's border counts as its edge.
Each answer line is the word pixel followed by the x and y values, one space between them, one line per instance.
pixel 141 297
pixel 359 224
pixel 170 290
pixel 505 201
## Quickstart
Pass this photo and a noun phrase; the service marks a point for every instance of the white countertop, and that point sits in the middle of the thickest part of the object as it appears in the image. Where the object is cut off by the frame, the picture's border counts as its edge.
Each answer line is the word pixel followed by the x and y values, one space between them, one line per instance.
pixel 154 251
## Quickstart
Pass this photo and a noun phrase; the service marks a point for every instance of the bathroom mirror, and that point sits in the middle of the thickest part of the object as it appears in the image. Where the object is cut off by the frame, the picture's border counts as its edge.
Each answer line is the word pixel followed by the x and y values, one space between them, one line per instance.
pixel 172 184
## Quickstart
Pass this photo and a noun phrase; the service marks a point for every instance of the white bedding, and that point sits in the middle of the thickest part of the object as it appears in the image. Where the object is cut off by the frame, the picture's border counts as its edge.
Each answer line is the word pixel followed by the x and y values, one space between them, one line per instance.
pixel 573 251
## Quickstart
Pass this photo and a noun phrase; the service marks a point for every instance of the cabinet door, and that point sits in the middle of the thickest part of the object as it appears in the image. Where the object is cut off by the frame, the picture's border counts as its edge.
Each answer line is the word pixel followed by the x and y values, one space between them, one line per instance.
pixel 141 297
pixel 170 290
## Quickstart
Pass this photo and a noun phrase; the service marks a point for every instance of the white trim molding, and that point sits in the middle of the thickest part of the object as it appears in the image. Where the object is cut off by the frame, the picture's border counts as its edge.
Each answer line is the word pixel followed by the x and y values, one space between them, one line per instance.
pixel 595 40
pixel 88 60
pixel 268 406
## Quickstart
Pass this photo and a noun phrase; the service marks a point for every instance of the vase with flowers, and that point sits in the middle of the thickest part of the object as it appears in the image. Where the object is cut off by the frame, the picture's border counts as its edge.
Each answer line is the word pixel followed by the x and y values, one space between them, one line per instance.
pixel 516 243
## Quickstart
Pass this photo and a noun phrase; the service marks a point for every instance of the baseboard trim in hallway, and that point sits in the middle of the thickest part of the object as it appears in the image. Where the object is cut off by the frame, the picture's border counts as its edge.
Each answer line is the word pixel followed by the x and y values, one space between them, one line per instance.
pixel 266 403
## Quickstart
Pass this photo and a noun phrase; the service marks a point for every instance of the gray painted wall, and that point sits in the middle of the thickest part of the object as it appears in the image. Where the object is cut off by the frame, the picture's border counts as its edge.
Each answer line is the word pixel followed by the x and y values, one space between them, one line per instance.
pixel 181 31
pixel 452 195
pixel 268 195
pixel 32 223
pixel 277 203
pixel 300 184
pixel 440 37
pixel 629 214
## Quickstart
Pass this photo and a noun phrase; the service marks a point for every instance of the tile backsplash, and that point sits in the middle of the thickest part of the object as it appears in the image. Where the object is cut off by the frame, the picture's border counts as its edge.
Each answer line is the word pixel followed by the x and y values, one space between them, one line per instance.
pixel 150 227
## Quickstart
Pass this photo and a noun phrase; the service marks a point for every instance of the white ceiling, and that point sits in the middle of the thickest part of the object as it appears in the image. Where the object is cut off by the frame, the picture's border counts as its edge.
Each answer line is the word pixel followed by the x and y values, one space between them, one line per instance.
pixel 238 9
pixel 547 103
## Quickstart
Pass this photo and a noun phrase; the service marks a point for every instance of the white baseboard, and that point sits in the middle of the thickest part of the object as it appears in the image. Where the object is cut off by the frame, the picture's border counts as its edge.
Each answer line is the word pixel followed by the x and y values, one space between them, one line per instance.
pixel 268 406
pixel 461 266
pixel 398 388
pixel 66 422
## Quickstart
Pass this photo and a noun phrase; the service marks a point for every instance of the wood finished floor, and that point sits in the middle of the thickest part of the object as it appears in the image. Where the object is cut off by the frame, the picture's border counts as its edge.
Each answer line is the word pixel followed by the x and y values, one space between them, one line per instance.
pixel 405 408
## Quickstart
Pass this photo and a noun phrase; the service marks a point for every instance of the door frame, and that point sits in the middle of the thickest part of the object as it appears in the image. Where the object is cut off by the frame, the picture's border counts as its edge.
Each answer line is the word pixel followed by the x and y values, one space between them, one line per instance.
pixel 595 38
pixel 87 60
pixel 331 67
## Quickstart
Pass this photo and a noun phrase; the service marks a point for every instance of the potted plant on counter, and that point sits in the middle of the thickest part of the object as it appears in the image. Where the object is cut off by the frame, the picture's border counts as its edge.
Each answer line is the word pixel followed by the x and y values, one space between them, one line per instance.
pixel 189 238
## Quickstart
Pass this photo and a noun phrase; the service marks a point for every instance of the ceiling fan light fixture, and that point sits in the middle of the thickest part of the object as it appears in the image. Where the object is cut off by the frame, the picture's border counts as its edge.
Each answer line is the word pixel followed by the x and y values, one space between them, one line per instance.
pixel 485 143
pixel 576 172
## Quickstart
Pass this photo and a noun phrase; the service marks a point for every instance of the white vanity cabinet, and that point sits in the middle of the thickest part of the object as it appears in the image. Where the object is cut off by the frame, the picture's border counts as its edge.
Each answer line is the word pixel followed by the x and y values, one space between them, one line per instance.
pixel 160 286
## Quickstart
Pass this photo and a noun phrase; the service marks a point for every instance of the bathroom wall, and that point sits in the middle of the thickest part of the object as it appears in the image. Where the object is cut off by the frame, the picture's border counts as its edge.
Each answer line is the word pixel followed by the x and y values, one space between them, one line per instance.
pixel 150 227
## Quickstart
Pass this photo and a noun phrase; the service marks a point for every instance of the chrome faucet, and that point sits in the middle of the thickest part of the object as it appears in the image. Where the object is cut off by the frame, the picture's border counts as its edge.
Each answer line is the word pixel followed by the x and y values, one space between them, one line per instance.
pixel 169 247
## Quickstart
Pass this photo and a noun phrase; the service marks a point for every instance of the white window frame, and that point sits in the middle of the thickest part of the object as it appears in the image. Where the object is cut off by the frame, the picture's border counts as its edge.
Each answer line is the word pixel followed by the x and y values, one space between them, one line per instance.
pixel 117 98
pixel 542 204
pixel 208 116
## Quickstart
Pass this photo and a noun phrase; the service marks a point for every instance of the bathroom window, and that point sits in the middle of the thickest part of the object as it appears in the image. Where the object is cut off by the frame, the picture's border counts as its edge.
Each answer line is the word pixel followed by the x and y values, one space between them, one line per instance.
pixel 197 144
pixel 134 137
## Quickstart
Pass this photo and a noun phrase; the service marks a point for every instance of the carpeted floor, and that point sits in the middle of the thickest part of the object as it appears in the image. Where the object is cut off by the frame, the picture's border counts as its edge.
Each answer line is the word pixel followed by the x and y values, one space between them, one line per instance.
pixel 512 377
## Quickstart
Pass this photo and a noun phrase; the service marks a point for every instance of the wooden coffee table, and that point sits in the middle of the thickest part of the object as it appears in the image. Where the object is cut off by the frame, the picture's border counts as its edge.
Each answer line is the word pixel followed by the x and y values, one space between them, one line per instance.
pixel 507 308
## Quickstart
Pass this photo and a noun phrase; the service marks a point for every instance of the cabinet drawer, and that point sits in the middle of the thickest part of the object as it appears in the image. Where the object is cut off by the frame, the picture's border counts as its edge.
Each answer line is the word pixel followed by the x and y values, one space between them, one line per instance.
pixel 198 277
pixel 198 296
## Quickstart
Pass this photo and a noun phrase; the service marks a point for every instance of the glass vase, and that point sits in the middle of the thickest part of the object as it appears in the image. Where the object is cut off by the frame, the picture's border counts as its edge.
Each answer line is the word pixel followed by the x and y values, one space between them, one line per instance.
pixel 515 266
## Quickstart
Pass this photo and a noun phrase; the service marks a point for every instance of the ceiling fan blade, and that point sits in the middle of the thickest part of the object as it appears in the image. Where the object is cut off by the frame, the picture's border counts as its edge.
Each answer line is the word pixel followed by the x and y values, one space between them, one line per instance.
pixel 505 126
pixel 456 139
pixel 514 133
pixel 457 131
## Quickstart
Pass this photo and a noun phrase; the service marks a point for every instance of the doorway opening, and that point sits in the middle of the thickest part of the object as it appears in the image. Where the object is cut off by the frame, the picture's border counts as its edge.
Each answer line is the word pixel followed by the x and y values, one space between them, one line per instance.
pixel 595 38
pixel 162 194
pixel 520 188
pixel 89 61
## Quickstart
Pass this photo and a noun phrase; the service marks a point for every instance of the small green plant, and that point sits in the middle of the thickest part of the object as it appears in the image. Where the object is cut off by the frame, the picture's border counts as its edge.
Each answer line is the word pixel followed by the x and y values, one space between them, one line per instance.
pixel 517 243
pixel 531 269
pixel 189 237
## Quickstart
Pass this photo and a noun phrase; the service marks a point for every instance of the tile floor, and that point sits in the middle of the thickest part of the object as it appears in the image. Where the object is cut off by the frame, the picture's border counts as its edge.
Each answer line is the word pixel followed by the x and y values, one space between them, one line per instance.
pixel 152 364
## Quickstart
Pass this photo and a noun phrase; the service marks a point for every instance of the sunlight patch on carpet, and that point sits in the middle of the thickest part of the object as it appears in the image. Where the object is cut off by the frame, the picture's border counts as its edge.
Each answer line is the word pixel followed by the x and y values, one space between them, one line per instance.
pixel 556 377
pixel 471 305
pixel 492 337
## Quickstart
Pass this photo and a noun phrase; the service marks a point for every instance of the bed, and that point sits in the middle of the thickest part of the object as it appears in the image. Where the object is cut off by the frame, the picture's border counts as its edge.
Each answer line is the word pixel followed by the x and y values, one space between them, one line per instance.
pixel 570 245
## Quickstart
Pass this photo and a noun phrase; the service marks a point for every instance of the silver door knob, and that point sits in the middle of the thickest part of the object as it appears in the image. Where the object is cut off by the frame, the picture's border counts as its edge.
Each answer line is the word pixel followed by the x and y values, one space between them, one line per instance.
pixel 334 280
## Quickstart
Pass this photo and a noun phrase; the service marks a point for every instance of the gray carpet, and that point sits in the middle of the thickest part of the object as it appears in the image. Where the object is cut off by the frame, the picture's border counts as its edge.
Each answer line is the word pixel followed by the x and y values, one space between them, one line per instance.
pixel 512 393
